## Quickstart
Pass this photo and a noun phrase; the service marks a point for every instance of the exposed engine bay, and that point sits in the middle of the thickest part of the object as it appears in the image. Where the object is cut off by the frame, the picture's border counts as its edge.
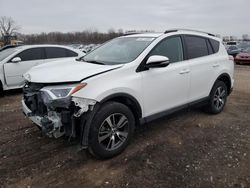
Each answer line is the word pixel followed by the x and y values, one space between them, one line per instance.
pixel 55 116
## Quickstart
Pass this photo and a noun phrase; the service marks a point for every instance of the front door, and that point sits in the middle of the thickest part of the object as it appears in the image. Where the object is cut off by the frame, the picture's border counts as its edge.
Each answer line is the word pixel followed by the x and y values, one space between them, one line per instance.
pixel 14 70
pixel 166 88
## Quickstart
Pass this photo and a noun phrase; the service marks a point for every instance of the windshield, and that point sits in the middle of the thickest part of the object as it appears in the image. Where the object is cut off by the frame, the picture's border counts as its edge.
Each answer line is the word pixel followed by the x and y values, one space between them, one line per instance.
pixel 119 51
pixel 6 53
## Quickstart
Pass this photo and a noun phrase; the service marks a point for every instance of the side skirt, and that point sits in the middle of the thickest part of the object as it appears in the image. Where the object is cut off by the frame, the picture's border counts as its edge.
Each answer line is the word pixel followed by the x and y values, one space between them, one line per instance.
pixel 197 103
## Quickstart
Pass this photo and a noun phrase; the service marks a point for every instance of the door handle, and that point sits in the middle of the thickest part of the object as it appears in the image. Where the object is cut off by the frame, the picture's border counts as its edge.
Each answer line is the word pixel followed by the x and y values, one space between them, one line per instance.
pixel 216 65
pixel 185 71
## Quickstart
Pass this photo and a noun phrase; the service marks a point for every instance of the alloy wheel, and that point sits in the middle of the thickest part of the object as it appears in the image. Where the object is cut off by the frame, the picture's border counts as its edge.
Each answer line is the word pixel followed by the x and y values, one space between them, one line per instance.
pixel 219 98
pixel 113 131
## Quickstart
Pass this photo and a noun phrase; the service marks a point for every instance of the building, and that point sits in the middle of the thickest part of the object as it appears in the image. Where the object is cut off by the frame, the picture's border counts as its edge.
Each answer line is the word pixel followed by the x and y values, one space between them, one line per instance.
pixel 245 37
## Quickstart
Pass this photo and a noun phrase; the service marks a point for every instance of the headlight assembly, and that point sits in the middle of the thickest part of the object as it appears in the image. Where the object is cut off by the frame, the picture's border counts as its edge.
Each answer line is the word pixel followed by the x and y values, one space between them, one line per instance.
pixel 57 92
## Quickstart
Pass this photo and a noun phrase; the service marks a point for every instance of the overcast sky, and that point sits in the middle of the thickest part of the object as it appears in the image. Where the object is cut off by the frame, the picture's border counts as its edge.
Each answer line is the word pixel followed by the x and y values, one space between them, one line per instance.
pixel 225 17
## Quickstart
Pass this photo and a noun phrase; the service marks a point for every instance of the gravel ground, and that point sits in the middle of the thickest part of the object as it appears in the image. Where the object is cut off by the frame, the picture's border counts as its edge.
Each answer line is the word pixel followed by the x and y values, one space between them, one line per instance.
pixel 187 149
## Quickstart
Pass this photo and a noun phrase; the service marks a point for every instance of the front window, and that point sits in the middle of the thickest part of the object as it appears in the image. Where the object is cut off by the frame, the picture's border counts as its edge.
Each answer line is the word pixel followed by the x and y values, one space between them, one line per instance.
pixel 119 50
pixel 171 48
pixel 31 54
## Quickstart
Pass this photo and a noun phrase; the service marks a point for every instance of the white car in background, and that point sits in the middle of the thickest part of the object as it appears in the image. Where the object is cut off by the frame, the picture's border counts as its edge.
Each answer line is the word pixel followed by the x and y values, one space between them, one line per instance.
pixel 14 62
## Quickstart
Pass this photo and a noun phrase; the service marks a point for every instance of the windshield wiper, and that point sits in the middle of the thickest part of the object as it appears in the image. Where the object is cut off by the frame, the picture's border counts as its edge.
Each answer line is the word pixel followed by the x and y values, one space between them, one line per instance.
pixel 90 61
pixel 79 59
pixel 94 62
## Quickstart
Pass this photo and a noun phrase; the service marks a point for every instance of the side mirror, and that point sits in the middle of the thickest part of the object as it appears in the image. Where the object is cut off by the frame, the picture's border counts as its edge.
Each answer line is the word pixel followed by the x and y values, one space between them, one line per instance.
pixel 16 60
pixel 157 61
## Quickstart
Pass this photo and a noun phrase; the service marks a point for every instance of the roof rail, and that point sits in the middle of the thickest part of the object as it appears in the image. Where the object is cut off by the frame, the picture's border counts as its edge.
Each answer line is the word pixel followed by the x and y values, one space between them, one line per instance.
pixel 131 33
pixel 175 30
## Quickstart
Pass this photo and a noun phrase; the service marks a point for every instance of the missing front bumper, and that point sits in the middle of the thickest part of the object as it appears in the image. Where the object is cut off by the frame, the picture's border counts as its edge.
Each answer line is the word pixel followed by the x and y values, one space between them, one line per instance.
pixel 27 112
pixel 61 116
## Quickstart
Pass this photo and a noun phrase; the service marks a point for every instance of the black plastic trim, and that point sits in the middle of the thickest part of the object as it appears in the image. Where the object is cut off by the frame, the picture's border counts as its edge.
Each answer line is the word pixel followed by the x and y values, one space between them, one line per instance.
pixel 175 30
pixel 150 118
pixel 229 78
pixel 138 106
pixel 85 123
pixel 87 118
pixel 1 88
pixel 170 31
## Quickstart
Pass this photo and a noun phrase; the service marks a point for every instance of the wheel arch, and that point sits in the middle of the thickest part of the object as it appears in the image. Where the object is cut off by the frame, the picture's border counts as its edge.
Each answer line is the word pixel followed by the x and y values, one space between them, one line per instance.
pixel 127 100
pixel 226 79
pixel 123 98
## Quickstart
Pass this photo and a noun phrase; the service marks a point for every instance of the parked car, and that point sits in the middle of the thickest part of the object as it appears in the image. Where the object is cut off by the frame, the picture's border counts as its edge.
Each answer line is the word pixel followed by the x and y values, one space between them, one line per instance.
pixel 243 57
pixel 8 46
pixel 233 50
pixel 127 81
pixel 232 43
pixel 14 62
pixel 243 45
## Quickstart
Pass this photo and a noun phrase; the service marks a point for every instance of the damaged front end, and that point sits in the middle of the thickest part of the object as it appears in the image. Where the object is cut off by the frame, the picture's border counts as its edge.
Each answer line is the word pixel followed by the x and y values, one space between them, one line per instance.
pixel 53 108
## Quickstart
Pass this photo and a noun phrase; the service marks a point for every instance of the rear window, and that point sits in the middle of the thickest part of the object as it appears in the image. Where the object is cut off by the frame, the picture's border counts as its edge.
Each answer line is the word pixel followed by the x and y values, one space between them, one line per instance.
pixel 71 53
pixel 196 47
pixel 55 52
pixel 215 44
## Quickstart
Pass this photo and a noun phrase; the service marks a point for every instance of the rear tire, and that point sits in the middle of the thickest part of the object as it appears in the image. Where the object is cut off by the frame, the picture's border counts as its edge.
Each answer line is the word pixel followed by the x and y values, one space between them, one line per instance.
pixel 111 130
pixel 218 98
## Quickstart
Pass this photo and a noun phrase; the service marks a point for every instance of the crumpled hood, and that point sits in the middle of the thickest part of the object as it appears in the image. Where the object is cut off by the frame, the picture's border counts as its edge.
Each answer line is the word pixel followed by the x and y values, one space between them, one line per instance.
pixel 65 71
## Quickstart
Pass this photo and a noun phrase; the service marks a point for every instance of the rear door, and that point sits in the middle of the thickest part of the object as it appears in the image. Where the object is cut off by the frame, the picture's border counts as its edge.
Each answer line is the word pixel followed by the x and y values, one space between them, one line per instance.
pixel 201 60
pixel 56 53
pixel 14 71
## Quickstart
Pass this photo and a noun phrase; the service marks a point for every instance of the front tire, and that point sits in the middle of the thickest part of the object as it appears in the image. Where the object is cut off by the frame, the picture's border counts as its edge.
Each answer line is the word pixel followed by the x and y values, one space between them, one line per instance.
pixel 111 130
pixel 218 98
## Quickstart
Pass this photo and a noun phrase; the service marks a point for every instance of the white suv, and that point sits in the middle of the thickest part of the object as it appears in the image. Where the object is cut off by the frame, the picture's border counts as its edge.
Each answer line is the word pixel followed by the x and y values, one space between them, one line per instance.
pixel 127 81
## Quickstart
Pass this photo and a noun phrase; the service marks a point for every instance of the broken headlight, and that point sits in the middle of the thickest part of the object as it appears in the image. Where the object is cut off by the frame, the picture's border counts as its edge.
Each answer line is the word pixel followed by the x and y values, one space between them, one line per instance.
pixel 56 92
pixel 60 93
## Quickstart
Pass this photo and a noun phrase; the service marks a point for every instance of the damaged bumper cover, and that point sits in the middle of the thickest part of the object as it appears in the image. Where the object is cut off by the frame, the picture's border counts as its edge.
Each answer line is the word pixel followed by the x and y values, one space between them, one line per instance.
pixel 56 117
pixel 83 104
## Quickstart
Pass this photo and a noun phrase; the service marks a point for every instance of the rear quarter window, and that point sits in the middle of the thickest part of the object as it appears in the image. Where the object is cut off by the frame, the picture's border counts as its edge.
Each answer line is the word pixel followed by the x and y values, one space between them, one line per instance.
pixel 215 44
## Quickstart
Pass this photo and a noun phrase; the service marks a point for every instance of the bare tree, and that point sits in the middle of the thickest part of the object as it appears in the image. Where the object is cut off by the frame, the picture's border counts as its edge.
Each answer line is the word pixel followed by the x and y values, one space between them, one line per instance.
pixel 88 36
pixel 8 26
